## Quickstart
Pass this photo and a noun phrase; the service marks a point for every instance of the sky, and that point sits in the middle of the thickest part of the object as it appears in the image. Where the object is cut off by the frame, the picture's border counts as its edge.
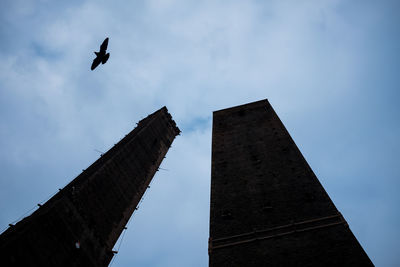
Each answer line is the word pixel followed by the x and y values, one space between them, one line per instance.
pixel 330 69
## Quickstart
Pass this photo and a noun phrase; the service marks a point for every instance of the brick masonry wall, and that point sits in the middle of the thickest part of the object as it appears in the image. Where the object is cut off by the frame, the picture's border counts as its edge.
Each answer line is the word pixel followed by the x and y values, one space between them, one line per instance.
pixel 267 206
pixel 94 208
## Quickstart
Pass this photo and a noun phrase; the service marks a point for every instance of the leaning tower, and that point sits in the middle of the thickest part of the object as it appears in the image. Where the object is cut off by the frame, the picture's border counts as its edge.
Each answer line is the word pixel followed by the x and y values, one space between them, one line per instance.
pixel 81 223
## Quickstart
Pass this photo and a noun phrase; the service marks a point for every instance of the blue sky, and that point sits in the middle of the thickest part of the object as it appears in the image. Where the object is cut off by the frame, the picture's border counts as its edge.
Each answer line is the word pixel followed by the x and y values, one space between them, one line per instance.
pixel 329 68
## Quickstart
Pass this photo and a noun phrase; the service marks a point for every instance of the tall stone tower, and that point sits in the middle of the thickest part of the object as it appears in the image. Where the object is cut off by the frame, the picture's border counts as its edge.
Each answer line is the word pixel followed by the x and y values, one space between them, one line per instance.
pixel 267 206
pixel 81 223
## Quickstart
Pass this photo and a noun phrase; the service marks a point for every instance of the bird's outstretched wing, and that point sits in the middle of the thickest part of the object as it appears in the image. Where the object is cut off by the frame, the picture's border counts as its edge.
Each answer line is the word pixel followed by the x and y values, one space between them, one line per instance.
pixel 95 63
pixel 104 45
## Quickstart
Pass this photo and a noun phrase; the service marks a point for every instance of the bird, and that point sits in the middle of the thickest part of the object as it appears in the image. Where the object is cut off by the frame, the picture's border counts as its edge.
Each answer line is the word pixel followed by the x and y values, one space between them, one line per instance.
pixel 101 56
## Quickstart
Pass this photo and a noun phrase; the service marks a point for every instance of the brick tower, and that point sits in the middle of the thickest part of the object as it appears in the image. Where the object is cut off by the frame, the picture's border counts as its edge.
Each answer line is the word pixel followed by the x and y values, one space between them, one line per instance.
pixel 81 223
pixel 267 206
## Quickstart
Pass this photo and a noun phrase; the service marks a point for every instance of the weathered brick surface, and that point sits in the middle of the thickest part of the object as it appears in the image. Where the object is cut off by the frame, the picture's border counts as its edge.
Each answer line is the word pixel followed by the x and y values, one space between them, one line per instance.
pixel 94 208
pixel 267 206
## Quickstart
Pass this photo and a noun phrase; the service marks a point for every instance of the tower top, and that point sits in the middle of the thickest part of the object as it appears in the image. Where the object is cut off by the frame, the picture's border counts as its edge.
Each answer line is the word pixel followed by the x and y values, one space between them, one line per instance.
pixel 251 105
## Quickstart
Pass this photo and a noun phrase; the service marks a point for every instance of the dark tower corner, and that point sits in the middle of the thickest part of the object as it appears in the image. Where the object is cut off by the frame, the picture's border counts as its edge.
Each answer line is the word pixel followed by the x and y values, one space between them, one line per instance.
pixel 81 223
pixel 267 206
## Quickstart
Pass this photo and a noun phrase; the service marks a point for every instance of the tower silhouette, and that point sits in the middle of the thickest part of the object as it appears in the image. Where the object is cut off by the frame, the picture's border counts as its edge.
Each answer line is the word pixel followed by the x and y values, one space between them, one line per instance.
pixel 81 223
pixel 267 206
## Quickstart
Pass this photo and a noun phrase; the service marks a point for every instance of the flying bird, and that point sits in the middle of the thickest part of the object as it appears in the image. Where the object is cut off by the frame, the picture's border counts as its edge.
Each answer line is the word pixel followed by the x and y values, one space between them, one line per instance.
pixel 101 56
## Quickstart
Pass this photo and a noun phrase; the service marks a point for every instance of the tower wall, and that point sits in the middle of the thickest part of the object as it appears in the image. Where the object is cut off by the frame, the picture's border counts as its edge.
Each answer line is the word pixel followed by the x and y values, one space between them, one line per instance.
pixel 267 206
pixel 92 210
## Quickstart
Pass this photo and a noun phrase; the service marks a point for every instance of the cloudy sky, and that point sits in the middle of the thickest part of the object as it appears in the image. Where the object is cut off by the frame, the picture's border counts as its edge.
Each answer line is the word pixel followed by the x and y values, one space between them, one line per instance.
pixel 329 68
